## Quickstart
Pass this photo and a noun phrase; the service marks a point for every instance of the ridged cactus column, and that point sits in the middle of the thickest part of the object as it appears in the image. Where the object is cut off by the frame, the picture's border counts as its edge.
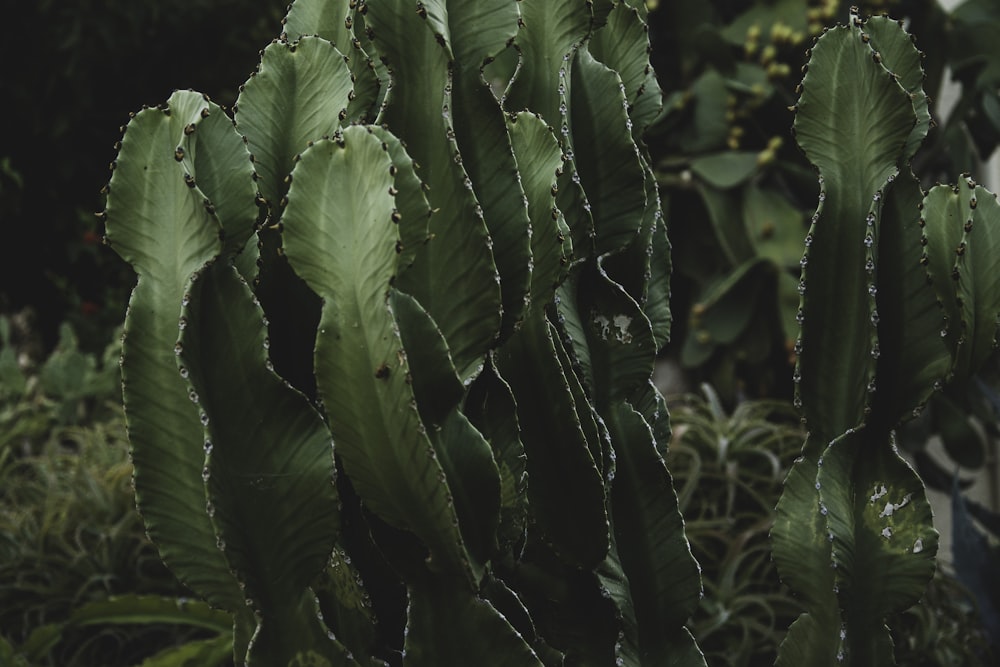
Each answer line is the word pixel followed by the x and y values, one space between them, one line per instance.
pixel 438 220
pixel 890 310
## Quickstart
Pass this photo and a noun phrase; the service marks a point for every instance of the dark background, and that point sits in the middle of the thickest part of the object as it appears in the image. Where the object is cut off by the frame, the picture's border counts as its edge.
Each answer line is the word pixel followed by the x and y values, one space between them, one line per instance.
pixel 70 73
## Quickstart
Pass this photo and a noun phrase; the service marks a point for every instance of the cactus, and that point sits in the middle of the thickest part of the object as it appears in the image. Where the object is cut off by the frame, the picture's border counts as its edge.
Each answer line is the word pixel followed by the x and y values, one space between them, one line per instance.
pixel 387 365
pixel 898 296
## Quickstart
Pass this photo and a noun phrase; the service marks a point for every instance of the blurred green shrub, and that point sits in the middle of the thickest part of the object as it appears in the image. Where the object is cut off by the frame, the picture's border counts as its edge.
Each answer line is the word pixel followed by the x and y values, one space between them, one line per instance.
pixel 70 535
pixel 70 387
pixel 739 194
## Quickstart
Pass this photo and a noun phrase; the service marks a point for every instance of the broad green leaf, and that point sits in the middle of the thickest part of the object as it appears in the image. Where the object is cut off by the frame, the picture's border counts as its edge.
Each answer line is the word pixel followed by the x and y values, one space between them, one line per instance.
pixel 725 309
pixel 488 157
pixel 913 354
pixel 899 56
pixel 216 156
pixel 725 170
pixel 340 237
pixel 565 489
pixel 298 94
pixel 657 306
pixel 729 227
pixel 801 540
pixel 453 276
pixel 884 543
pixel 411 202
pixel 630 267
pixel 611 170
pixel 852 121
pixel 337 22
pixel 711 127
pixel 490 407
pixel 623 45
pixel 346 607
pixel 146 609
pixel 539 159
pixel 550 35
pixel 322 18
pixel 474 482
pixel 160 225
pixel 962 226
pixel 435 381
pixel 810 642
pixel 619 339
pixel 448 625
pixel 663 576
pixel 570 357
pixel 616 585
pixel 979 277
pixel 269 467
pixel 774 225
pixel 476 31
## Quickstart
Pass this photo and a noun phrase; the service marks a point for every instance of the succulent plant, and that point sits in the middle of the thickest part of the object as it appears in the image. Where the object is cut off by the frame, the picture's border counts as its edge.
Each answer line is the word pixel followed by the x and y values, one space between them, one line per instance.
pixel 387 365
pixel 899 296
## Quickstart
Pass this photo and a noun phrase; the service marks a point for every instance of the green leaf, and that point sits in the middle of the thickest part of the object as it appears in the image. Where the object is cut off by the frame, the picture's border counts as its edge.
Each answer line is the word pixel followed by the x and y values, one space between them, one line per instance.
pixel 333 21
pixel 731 234
pixel 884 543
pixel 663 577
pixel 657 306
pixel 775 226
pixel 345 604
pixel 411 202
pixel 539 159
pixel 566 491
pixel 608 160
pixel 449 626
pixel 435 380
pixel 900 56
pixel 199 653
pixel 810 642
pixel 160 225
pixel 149 609
pixel 474 481
pixel 962 226
pixel 476 31
pixel 489 160
pixel 454 276
pixel 340 238
pixel 269 467
pixel 490 407
pixel 725 170
pixel 550 35
pixel 800 538
pixel 726 308
pixel 852 122
pixel 913 354
pixel 298 94
pixel 623 45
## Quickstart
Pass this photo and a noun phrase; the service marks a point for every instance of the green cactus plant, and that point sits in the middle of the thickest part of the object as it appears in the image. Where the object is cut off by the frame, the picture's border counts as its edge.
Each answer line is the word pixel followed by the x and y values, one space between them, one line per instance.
pixel 387 365
pixel 899 295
